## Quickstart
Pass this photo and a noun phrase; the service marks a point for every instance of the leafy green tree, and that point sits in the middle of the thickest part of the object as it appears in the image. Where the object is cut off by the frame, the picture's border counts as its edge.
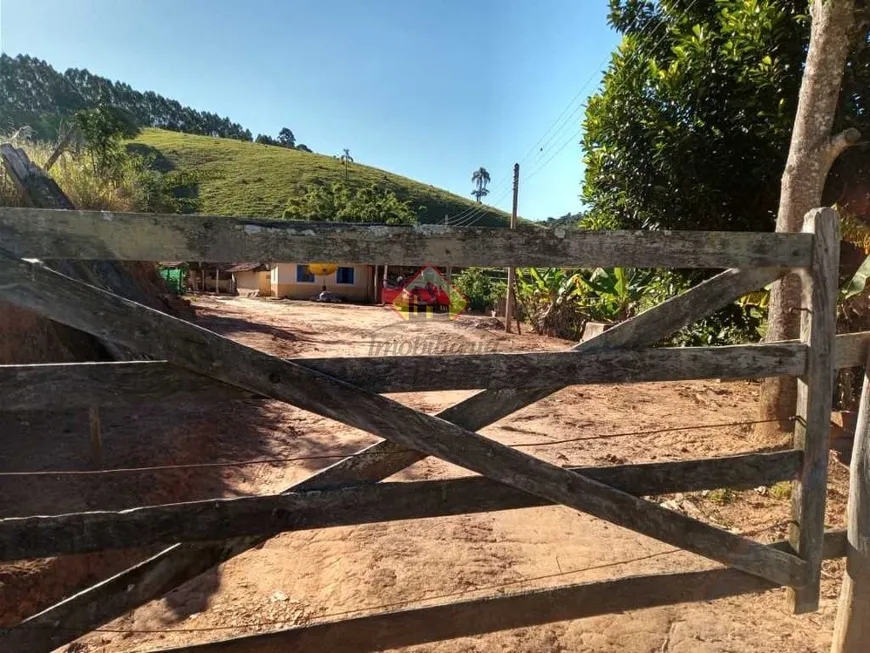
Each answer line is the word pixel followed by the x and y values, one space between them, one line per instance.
pixel 286 138
pixel 302 147
pixel 103 129
pixel 481 178
pixel 691 127
pixel 816 144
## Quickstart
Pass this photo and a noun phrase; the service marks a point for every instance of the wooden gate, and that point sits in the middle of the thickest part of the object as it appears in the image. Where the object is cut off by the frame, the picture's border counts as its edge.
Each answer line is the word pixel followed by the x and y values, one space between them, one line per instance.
pixel 203 534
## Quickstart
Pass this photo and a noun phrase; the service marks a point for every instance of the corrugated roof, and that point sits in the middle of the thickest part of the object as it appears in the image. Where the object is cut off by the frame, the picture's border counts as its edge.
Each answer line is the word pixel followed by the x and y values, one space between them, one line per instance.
pixel 245 267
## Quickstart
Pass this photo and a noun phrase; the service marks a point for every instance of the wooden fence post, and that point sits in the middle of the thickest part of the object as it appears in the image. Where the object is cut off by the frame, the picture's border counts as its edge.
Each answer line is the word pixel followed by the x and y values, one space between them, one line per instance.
pixel 510 295
pixel 852 628
pixel 815 390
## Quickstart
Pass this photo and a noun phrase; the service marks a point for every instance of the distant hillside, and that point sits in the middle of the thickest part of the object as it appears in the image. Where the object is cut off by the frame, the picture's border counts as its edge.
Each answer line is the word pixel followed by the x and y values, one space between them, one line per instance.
pixel 36 94
pixel 250 179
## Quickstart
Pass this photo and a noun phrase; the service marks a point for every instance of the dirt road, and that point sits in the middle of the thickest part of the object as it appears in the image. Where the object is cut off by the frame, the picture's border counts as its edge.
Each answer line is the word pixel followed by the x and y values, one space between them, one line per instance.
pixel 301 577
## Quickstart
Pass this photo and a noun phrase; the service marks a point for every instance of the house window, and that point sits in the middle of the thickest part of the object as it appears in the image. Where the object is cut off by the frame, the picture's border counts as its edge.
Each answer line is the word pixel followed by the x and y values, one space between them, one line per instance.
pixel 304 274
pixel 344 276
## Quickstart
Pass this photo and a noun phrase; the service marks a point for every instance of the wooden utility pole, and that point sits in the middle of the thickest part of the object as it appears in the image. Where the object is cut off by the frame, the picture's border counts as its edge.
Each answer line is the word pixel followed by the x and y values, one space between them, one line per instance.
pixel 509 298
pixel 449 268
pixel 852 628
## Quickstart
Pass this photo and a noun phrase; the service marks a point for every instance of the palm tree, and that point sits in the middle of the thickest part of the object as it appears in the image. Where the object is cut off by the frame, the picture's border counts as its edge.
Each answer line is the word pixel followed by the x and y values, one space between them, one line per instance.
pixel 481 178
pixel 346 159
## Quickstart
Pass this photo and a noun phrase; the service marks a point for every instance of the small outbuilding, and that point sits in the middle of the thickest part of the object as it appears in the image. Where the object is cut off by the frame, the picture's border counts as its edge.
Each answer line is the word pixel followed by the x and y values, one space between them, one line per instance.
pixel 251 279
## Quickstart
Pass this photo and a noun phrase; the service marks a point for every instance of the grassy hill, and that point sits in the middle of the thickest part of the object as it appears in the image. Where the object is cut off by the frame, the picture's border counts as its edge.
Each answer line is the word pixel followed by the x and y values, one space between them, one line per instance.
pixel 248 179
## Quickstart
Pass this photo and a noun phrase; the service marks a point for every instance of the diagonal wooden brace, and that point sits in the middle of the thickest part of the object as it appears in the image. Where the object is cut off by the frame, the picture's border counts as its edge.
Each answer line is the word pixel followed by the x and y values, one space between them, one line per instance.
pixel 175 565
pixel 34 287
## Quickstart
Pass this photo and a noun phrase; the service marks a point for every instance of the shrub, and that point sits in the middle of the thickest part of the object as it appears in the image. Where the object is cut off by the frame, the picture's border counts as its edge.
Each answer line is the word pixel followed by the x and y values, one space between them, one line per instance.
pixel 739 322
pixel 481 291
pixel 781 490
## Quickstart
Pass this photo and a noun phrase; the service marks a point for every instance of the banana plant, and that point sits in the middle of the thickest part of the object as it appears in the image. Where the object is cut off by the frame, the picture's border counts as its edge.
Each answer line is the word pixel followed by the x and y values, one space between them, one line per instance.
pixel 614 294
pixel 856 284
pixel 549 299
pixel 556 285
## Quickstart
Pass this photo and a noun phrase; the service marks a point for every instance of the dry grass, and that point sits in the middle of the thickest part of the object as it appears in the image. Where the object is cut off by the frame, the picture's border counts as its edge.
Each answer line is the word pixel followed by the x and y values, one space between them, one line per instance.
pixel 75 176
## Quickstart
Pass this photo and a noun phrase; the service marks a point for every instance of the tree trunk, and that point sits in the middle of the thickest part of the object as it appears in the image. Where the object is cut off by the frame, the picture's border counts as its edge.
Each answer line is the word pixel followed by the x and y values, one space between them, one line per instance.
pixel 61 147
pixel 812 152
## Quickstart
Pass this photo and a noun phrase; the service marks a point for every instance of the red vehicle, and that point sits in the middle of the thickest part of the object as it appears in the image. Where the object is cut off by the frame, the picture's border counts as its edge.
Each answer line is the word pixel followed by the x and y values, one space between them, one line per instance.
pixel 428 295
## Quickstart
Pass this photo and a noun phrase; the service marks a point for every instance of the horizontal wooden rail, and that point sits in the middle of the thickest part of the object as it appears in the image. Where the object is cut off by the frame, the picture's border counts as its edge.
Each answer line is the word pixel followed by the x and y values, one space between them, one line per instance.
pixel 33 537
pixel 76 385
pixel 50 234
pixel 445 621
pixel 851 349
pixel 59 386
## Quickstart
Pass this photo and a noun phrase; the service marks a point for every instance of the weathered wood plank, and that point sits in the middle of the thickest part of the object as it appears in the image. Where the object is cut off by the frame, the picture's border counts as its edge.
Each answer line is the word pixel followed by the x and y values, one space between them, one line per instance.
pixel 90 309
pixel 547 369
pixel 79 385
pixel 42 234
pixel 815 392
pixel 42 536
pixel 445 621
pixel 851 349
pixel 170 568
pixel 94 425
pixel 62 386
pixel 34 185
pixel 852 627
pixel 68 385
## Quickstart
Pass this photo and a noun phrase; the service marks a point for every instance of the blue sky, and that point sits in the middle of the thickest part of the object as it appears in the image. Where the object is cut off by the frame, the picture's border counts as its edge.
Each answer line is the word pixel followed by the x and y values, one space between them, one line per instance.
pixel 431 89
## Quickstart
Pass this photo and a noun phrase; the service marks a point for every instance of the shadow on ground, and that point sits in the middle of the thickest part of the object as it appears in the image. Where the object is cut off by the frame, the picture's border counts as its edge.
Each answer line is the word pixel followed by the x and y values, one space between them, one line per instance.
pixel 167 434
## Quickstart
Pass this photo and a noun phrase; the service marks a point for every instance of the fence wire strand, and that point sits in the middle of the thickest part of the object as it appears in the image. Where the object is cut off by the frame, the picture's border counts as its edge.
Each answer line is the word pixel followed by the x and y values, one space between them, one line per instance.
pixel 418 601
pixel 360 454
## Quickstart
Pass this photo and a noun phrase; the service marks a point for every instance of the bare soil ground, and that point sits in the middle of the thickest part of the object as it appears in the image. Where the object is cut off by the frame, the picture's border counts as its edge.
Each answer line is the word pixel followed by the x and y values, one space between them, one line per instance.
pixel 302 577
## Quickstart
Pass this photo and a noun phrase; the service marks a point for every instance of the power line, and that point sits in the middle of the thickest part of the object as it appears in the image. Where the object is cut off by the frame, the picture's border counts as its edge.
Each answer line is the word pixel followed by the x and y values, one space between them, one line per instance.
pixel 466 218
pixel 555 154
pixel 481 211
pixel 545 150
pixel 462 215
